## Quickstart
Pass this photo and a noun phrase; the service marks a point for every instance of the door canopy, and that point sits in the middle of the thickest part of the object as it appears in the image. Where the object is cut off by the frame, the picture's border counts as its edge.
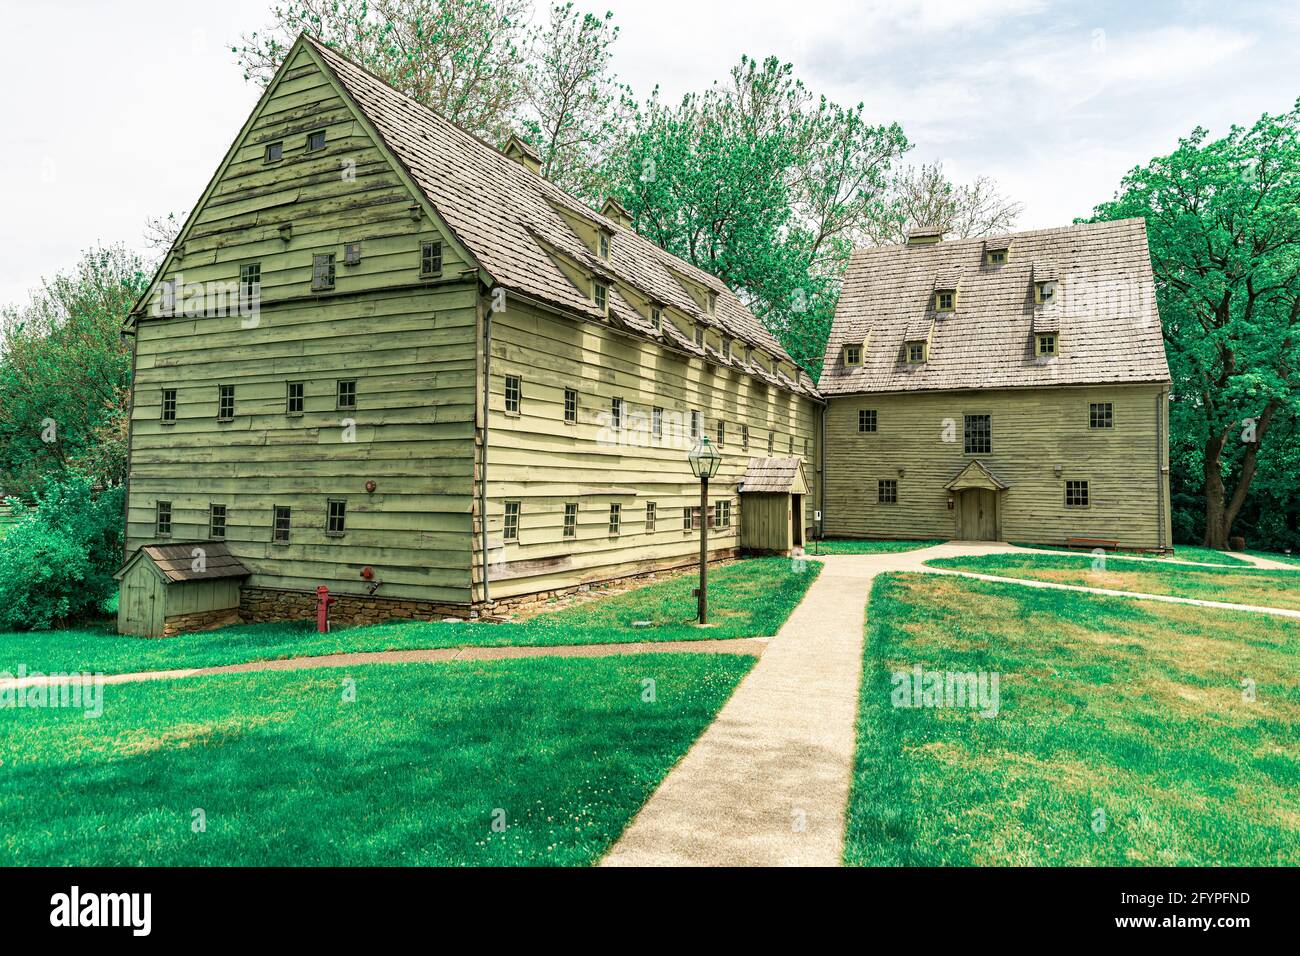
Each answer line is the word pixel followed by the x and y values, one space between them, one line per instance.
pixel 976 475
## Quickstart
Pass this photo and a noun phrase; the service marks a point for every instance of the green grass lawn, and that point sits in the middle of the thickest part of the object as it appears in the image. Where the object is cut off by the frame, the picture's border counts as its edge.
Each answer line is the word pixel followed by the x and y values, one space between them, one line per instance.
pixel 1122 737
pixel 1182 552
pixel 750 598
pixel 411 772
pixel 862 546
pixel 1244 586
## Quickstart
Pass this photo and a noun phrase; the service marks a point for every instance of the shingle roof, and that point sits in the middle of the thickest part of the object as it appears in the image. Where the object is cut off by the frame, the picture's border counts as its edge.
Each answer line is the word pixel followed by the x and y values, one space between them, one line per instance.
pixel 499 211
pixel 770 475
pixel 176 561
pixel 1105 310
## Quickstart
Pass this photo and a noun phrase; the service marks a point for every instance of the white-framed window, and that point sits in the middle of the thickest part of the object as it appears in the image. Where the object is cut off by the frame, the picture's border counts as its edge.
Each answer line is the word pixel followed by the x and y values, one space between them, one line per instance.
pixel 510 527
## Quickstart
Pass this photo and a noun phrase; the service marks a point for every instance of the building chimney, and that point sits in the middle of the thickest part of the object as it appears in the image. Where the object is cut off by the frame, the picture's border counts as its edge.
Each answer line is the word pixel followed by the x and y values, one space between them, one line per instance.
pixel 613 209
pixel 523 154
pixel 924 235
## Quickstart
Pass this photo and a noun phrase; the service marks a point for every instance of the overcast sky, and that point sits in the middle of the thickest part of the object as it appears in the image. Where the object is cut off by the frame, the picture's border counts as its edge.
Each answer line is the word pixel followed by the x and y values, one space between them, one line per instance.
pixel 118 111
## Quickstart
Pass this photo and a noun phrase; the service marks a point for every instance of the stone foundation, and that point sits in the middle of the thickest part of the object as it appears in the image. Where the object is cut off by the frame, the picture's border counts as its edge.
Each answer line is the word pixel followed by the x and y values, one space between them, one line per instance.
pixel 200 621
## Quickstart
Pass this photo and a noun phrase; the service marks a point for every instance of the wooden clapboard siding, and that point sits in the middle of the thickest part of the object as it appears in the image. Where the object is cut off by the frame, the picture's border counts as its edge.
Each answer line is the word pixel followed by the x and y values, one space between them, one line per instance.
pixel 411 345
pixel 1033 430
pixel 542 462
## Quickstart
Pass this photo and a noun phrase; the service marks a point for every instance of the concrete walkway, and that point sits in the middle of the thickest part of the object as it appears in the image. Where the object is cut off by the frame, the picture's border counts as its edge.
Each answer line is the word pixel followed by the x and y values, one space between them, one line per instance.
pixel 745 645
pixel 1267 563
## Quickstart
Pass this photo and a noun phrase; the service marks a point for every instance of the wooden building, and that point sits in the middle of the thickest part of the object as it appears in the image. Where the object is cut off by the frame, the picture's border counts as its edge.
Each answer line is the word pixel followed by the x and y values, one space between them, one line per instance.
pixel 388 358
pixel 1012 388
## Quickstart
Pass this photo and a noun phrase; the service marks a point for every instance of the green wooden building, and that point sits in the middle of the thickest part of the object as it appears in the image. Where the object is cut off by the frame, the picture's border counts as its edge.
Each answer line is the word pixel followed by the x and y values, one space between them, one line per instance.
pixel 388 358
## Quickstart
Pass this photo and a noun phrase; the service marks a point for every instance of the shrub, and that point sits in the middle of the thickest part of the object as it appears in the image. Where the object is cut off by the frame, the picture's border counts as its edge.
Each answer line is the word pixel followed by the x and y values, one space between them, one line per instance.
pixel 58 559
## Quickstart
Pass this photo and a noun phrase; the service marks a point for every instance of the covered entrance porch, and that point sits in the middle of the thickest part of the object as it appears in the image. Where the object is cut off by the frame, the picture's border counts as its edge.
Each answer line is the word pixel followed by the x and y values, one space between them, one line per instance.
pixel 976 496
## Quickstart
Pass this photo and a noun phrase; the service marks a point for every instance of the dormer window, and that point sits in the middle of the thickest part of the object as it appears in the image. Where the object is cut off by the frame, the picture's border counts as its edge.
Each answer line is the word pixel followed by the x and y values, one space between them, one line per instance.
pixel 602 245
pixel 945 300
pixel 726 348
pixel 600 292
pixel 996 257
pixel 699 335
pixel 916 352
pixel 853 354
pixel 711 302
pixel 1044 292
pixel 657 319
pixel 1047 345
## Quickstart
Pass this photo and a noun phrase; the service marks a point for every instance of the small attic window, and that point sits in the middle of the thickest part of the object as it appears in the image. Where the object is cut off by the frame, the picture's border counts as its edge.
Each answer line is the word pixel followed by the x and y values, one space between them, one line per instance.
pixel 699 335
pixel 853 354
pixel 316 141
pixel 322 272
pixel 1047 345
pixel 1044 292
pixel 274 152
pixel 430 259
pixel 602 245
pixel 916 352
pixel 656 318
pixel 945 300
pixel 352 253
pixel 711 302
pixel 996 257
pixel 600 293
pixel 726 348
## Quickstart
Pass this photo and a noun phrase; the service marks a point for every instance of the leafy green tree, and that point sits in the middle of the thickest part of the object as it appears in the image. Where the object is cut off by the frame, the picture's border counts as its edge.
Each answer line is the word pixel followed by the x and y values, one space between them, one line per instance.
pixel 1223 222
pixel 65 374
pixel 463 58
pixel 763 184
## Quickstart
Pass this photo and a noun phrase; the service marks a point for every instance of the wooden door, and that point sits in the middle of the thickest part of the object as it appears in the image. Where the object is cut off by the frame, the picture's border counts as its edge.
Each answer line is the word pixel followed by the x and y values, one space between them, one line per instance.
pixel 977 515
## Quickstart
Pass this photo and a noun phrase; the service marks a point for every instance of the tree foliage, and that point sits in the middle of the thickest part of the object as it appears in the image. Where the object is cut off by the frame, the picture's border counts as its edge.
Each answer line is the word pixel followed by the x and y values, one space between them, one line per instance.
pixel 1223 222
pixel 65 374
pixel 925 196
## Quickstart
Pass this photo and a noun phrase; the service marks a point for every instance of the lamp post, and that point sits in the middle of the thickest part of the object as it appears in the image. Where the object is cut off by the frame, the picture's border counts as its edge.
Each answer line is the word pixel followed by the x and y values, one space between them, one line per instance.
pixel 704 460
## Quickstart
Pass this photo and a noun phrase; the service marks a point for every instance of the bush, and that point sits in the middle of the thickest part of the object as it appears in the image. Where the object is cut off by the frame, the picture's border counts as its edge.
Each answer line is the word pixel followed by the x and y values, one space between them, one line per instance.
pixel 58 559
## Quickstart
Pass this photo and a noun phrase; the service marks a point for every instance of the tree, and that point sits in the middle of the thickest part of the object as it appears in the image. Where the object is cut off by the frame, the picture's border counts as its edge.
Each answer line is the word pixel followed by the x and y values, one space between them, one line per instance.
pixel 65 374
pixel 575 106
pixel 463 58
pixel 762 184
pixel 1223 223
pixel 924 196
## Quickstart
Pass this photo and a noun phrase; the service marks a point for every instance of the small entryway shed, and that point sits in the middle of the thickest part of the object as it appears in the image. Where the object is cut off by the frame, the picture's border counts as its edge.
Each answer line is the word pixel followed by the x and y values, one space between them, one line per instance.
pixel 772 505
pixel 170 588
pixel 976 498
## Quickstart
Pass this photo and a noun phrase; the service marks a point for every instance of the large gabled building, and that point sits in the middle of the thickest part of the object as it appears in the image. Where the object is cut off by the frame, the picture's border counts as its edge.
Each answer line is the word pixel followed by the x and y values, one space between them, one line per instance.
pixel 387 358
pixel 1011 388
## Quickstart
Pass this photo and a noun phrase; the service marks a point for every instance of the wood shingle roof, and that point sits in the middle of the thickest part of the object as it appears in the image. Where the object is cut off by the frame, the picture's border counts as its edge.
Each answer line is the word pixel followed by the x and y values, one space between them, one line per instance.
pixel 176 562
pixel 1104 310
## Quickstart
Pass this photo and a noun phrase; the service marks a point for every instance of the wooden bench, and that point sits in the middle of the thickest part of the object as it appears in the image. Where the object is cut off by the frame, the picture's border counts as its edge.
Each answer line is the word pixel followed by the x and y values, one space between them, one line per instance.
pixel 1091 543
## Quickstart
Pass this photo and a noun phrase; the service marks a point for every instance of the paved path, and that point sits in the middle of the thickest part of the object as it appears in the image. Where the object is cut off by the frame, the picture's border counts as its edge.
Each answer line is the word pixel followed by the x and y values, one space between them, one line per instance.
pixel 745 645
pixel 1268 563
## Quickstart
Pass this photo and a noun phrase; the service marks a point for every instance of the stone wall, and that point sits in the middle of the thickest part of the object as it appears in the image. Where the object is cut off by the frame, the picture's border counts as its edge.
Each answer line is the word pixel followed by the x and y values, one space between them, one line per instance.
pixel 200 621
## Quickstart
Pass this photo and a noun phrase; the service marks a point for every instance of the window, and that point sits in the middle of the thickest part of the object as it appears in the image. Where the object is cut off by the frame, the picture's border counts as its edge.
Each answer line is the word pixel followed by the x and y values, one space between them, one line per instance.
pixel 1044 292
pixel 217 522
pixel 162 522
pixel 853 354
pixel 771 442
pixel 315 141
pixel 945 301
pixel 616 413
pixel 651 516
pixel 996 257
pixel 510 529
pixel 656 319
pixel 274 152
pixel 866 419
pixel 250 282
pixel 514 392
pixel 915 352
pixel 722 514
pixel 977 431
pixel 657 422
pixel 322 271
pixel 691 518
pixel 806 446
pixel 346 392
pixel 280 523
pixel 615 518
pixel 744 438
pixel 1076 494
pixel 721 429
pixel 1046 345
pixel 711 302
pixel 1101 415
pixel 430 259
pixel 225 403
pixel 887 491
pixel 168 406
pixel 571 519
pixel 293 398
pixel 571 406
pixel 601 295
pixel 167 293
pixel 790 450
pixel 336 517
pixel 699 335
pixel 352 253
pixel 602 245
pixel 695 423
pixel 726 348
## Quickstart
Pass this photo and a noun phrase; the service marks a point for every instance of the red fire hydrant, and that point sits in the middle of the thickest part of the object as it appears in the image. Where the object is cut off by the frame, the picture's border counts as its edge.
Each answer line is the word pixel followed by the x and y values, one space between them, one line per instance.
pixel 323 602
